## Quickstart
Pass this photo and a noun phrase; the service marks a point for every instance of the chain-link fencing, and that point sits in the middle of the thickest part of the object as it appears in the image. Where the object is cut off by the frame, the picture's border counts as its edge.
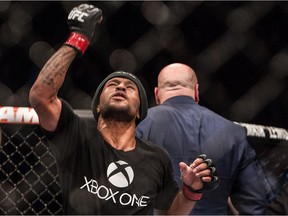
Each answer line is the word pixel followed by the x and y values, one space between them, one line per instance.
pixel 28 173
pixel 29 183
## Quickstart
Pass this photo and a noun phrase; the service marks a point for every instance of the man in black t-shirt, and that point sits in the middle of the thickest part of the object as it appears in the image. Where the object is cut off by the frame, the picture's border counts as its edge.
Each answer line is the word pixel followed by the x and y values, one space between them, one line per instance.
pixel 103 168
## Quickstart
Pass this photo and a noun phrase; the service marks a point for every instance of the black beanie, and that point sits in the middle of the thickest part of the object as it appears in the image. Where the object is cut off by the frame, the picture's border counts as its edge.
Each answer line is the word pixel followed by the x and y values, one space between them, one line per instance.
pixel 141 90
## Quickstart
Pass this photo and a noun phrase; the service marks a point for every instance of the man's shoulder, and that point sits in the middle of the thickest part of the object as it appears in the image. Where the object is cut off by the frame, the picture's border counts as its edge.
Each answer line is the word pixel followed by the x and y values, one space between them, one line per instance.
pixel 151 146
pixel 159 108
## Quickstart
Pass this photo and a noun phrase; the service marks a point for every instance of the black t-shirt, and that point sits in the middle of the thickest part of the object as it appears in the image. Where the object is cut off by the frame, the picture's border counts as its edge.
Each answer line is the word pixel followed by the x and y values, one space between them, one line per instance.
pixel 98 179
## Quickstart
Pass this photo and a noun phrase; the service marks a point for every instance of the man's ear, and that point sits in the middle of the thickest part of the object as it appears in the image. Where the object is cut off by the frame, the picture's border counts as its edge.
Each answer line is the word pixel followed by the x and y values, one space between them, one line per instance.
pixel 196 94
pixel 156 96
pixel 98 108
pixel 138 114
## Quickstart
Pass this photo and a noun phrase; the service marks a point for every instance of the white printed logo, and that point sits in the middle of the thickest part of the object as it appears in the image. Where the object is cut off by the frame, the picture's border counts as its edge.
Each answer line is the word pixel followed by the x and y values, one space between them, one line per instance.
pixel 120 174
pixel 77 14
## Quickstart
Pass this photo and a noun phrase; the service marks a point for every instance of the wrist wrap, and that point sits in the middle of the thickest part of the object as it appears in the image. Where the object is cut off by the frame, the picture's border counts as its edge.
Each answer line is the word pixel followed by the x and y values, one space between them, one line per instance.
pixel 189 194
pixel 78 41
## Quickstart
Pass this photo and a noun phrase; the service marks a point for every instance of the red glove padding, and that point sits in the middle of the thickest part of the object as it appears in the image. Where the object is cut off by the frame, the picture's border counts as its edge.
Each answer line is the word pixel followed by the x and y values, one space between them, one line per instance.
pixel 190 194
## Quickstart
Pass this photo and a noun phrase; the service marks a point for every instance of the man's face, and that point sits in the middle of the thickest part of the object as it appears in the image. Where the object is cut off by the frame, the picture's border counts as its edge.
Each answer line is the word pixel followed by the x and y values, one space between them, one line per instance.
pixel 119 100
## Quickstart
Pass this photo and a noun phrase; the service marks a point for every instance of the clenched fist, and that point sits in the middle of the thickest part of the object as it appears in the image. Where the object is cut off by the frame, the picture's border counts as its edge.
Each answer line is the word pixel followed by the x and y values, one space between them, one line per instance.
pixel 82 21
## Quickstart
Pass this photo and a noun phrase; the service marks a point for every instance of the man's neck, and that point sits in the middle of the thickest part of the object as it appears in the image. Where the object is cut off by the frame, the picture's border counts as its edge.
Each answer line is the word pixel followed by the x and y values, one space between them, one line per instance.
pixel 120 135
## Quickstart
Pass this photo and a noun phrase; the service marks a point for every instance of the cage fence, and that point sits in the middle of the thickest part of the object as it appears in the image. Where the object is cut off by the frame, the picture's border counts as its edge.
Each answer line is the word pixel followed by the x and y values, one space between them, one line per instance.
pixel 29 182
pixel 28 173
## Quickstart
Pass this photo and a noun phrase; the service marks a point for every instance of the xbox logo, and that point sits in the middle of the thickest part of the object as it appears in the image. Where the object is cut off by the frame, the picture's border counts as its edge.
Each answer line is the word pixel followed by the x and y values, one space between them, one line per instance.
pixel 120 174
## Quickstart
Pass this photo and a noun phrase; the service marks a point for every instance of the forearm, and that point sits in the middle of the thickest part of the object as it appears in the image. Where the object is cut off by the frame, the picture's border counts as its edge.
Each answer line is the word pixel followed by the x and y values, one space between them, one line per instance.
pixel 181 205
pixel 52 76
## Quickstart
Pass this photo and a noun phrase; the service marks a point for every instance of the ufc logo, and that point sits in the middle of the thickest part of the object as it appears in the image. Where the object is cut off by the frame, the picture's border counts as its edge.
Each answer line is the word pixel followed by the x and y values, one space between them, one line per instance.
pixel 76 14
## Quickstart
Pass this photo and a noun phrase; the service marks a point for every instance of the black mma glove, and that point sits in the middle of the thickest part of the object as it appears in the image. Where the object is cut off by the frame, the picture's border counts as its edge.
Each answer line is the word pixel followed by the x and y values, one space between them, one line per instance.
pixel 214 183
pixel 82 21
pixel 207 186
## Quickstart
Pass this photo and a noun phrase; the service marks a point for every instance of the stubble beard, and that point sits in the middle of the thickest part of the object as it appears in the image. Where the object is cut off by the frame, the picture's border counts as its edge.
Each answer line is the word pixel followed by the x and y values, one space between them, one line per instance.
pixel 112 113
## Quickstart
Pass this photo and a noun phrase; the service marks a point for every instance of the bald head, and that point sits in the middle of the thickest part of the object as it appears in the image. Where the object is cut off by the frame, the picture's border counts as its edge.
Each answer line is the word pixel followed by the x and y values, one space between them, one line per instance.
pixel 174 80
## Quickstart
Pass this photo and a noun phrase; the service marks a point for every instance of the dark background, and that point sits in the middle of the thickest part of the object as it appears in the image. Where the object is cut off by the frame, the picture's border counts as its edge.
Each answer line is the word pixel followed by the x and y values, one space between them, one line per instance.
pixel 238 50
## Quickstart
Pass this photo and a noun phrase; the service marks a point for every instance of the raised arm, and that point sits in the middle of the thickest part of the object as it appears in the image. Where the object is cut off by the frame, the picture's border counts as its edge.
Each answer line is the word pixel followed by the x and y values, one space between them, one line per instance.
pixel 82 21
pixel 43 94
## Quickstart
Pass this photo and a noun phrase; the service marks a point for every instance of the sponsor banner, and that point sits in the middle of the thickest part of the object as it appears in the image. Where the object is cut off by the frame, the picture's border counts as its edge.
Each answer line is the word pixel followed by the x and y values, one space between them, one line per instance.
pixel 265 132
pixel 18 115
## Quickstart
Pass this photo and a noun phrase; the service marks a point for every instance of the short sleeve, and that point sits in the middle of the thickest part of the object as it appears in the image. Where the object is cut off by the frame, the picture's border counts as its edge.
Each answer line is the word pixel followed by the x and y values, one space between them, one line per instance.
pixel 64 140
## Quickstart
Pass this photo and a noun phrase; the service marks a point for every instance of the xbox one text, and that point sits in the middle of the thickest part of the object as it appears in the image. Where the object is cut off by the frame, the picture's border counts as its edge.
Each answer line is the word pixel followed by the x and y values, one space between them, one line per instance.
pixel 106 193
